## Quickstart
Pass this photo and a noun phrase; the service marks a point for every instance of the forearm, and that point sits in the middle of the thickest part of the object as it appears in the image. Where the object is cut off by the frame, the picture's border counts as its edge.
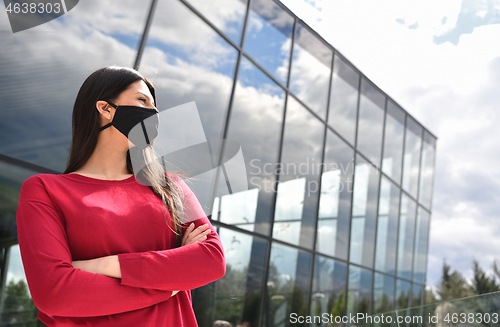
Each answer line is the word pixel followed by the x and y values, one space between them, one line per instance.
pixel 106 266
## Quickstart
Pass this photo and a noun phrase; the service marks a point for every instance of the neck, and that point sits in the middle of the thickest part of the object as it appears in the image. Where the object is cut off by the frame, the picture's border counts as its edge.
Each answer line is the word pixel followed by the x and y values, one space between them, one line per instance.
pixel 108 161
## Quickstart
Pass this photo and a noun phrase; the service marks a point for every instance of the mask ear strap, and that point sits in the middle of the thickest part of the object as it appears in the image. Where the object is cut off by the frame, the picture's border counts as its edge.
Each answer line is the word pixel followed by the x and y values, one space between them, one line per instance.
pixel 112 104
pixel 104 127
pixel 107 125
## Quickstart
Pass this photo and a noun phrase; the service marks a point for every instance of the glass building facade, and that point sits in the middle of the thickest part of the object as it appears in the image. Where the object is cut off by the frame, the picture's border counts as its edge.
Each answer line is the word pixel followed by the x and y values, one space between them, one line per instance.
pixel 336 217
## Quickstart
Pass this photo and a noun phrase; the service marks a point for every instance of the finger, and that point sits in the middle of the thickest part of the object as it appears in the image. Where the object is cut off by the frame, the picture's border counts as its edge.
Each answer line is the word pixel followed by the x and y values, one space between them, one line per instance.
pixel 202 237
pixel 198 231
pixel 190 228
pixel 201 229
pixel 196 235
pixel 200 234
pixel 187 232
pixel 197 240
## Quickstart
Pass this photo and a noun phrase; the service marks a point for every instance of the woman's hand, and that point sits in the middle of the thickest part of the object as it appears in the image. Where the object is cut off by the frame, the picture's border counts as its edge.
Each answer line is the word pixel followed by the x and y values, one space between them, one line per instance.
pixel 192 235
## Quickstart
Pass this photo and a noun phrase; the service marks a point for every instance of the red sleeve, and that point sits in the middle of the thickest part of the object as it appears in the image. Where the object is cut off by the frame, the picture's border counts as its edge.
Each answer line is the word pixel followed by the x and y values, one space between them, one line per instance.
pixel 183 268
pixel 56 287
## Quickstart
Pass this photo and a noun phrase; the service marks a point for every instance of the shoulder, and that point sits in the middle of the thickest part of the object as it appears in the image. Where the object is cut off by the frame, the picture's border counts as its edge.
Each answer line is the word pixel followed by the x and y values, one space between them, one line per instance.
pixel 42 179
pixel 35 187
pixel 174 177
pixel 35 181
pixel 178 181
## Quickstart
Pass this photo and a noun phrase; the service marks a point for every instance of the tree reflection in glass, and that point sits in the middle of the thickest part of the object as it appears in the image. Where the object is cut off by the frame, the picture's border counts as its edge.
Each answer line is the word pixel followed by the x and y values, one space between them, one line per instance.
pixel 416 295
pixel 237 296
pixel 359 290
pixel 287 285
pixel 402 294
pixel 383 293
pixel 328 292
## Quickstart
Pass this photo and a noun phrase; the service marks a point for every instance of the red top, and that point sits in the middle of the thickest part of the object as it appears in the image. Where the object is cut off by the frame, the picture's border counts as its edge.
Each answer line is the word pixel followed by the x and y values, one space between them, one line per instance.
pixel 63 218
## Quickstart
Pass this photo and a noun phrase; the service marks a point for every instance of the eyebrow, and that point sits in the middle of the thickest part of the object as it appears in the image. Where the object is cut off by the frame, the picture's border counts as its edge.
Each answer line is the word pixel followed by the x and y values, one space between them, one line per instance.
pixel 147 96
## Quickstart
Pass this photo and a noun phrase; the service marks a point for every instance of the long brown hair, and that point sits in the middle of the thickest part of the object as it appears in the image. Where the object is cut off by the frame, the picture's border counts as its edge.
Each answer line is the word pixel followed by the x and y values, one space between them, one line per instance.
pixel 107 84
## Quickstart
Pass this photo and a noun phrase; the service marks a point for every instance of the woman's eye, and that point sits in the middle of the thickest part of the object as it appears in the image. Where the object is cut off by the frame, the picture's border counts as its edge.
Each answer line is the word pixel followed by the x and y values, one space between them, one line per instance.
pixel 143 100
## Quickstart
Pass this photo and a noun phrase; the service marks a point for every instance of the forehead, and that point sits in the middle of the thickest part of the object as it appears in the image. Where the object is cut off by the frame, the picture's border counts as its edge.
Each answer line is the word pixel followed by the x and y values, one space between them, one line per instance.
pixel 138 86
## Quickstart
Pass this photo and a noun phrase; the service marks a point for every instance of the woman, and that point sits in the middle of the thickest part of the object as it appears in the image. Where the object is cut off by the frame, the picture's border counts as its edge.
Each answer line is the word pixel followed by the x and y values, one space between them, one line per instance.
pixel 101 249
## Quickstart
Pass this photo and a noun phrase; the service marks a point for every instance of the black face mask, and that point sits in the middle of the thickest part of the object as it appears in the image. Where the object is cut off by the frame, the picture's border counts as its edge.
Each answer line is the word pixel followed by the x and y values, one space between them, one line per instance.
pixel 127 117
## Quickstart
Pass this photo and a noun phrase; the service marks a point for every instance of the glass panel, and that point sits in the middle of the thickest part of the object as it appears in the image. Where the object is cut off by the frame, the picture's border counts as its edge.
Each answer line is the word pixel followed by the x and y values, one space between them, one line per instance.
pixel 42 70
pixel 364 214
pixel 298 188
pixel 310 76
pixel 258 105
pixel 360 289
pixel 406 234
pixel 416 295
pixel 383 293
pixel 269 37
pixel 287 285
pixel 421 240
pixel 411 159
pixel 18 308
pixel 344 100
pixel 237 296
pixel 427 172
pixel 402 294
pixel 239 209
pixel 335 199
pixel 227 15
pixel 387 227
pixel 185 53
pixel 370 122
pixel 328 294
pixel 16 305
pixel 393 142
pixel 11 179
pixel 190 62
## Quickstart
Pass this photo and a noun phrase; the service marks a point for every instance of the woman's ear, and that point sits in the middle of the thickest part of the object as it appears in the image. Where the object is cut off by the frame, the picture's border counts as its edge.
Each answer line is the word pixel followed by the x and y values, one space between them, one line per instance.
pixel 104 110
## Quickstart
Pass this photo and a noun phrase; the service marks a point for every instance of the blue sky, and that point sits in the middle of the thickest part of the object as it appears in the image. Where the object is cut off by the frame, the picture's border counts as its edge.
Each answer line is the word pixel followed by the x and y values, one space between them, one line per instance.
pixel 440 60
